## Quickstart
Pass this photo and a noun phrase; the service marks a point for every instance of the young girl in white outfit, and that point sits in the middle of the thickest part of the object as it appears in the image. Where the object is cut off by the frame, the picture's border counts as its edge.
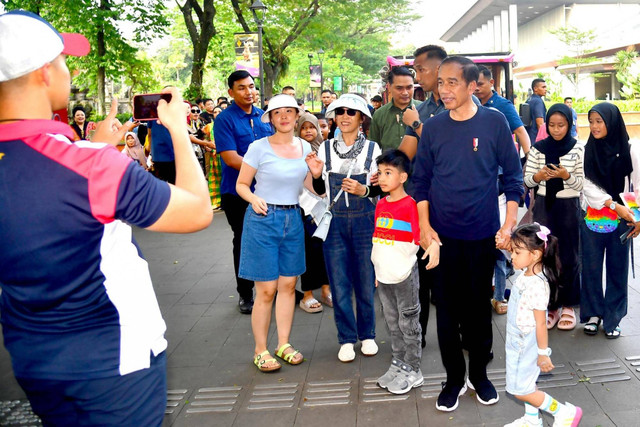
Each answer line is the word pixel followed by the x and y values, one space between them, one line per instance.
pixel 527 352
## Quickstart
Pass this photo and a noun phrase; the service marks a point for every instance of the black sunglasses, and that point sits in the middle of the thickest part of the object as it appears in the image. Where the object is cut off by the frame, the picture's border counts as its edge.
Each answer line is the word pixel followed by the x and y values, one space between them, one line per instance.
pixel 340 111
pixel 195 110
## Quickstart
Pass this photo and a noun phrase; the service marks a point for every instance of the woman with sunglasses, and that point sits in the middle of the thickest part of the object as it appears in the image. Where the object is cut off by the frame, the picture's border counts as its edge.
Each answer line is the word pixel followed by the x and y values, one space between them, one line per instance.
pixel 346 163
pixel 272 249
pixel 197 136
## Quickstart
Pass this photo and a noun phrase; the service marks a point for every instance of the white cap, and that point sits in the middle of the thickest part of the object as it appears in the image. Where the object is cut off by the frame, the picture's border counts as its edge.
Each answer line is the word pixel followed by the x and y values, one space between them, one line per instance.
pixel 348 100
pixel 27 42
pixel 280 101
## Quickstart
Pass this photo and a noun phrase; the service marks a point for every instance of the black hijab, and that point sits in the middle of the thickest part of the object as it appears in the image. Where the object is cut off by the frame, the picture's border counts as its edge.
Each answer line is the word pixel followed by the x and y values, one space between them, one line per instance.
pixel 553 149
pixel 607 161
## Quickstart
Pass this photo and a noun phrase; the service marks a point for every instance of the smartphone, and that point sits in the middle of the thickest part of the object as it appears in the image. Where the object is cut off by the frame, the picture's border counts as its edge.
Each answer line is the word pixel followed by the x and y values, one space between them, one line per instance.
pixel 551 166
pixel 624 238
pixel 145 106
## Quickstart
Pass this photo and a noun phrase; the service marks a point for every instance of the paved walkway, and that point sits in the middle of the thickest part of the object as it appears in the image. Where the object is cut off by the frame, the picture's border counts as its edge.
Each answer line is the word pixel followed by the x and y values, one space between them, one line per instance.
pixel 212 381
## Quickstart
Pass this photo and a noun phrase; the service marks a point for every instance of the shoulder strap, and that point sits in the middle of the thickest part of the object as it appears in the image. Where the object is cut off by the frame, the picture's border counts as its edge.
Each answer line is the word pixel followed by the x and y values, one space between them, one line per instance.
pixel 327 149
pixel 367 162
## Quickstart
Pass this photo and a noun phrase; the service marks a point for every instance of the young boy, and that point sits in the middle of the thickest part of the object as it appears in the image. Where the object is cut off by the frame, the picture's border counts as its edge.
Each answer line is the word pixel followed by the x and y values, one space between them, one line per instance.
pixel 395 243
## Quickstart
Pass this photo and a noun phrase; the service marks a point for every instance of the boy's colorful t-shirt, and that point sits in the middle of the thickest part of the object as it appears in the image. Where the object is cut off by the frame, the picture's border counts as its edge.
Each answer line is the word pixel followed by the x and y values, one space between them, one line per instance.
pixel 396 239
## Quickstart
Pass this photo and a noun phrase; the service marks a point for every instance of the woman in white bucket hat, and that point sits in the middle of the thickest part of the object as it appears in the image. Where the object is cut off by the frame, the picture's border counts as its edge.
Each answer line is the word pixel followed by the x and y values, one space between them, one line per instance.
pixel 272 251
pixel 346 163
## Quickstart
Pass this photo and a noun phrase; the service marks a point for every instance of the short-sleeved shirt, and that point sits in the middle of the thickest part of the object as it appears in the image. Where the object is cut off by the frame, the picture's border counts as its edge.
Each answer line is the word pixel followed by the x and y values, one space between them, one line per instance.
pixel 538 110
pixel 77 300
pixel 535 296
pixel 505 107
pixel 395 239
pixel 279 180
pixel 161 143
pixel 235 130
pixel 387 127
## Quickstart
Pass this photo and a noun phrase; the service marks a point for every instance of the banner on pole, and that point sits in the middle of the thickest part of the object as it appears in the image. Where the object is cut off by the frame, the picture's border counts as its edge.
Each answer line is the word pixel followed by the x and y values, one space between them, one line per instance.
pixel 337 83
pixel 315 76
pixel 247 52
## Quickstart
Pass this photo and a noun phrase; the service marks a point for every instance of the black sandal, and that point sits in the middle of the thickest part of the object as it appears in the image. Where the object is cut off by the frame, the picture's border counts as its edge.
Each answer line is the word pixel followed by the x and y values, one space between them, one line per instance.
pixel 613 334
pixel 591 328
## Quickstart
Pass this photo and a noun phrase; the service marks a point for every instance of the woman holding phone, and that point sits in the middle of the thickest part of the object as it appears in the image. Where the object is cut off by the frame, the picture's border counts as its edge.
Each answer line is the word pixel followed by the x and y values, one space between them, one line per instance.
pixel 555 167
pixel 345 166
pixel 272 251
pixel 609 163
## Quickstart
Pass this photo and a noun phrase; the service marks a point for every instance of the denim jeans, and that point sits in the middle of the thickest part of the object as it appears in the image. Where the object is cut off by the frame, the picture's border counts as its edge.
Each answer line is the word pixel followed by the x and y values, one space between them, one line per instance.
pixel 611 306
pixel 499 276
pixel 347 254
pixel 401 309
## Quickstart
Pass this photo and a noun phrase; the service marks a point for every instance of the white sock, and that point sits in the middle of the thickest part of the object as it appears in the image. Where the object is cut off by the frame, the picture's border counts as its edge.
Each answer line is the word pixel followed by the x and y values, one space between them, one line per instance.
pixel 531 413
pixel 551 405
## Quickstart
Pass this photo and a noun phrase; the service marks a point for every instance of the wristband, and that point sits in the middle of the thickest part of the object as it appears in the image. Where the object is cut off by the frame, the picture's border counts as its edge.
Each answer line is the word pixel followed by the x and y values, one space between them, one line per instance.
pixel 366 193
pixel 544 352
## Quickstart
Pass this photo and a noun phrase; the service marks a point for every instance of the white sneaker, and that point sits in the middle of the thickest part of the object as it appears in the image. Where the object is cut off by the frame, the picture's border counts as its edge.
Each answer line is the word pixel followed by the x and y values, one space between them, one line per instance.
pixel 569 416
pixel 346 353
pixel 524 422
pixel 369 347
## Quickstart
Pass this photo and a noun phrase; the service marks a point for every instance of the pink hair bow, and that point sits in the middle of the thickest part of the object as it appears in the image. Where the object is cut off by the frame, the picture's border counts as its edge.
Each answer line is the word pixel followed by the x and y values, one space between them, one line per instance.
pixel 543 233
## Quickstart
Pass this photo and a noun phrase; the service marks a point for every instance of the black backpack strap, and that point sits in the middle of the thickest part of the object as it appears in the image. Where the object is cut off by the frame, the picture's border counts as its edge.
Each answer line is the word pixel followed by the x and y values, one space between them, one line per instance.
pixel 327 149
pixel 367 162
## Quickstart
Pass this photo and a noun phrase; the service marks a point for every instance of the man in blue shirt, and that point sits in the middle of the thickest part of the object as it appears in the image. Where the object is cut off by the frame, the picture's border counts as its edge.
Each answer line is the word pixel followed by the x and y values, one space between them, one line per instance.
pixel 236 127
pixel 537 108
pixel 568 101
pixel 490 98
pixel 456 171
pixel 162 155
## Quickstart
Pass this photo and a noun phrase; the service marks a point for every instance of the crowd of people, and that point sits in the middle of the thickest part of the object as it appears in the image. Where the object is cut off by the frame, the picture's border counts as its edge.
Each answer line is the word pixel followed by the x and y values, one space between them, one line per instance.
pixel 415 201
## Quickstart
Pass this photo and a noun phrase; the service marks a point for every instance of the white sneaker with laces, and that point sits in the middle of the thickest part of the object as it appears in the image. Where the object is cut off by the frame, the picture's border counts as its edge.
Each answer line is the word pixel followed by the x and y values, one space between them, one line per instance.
pixel 346 353
pixel 524 422
pixel 369 347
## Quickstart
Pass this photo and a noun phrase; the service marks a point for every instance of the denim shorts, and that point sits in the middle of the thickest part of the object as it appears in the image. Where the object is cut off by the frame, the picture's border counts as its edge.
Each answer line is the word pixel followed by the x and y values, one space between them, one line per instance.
pixel 272 244
pixel 521 361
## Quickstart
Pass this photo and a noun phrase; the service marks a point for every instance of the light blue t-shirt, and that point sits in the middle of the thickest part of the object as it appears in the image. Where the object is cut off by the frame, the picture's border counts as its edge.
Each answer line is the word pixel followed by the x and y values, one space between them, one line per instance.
pixel 279 181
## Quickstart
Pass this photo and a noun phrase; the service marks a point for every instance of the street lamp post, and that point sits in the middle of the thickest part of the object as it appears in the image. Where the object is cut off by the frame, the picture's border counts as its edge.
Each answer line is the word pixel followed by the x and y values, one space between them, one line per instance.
pixel 259 11
pixel 320 56
pixel 310 56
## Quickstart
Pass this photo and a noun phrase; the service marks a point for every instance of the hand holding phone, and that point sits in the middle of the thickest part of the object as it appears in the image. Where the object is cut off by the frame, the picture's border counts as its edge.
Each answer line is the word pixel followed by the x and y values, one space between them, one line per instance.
pixel 145 106
pixel 624 238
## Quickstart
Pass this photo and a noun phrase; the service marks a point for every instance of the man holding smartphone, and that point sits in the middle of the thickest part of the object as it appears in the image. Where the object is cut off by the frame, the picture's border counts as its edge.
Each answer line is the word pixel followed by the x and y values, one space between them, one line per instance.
pixel 79 314
pixel 236 128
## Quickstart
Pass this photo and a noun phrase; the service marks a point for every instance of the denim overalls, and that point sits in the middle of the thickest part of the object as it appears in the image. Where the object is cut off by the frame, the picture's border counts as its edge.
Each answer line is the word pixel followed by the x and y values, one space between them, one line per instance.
pixel 347 254
pixel 521 349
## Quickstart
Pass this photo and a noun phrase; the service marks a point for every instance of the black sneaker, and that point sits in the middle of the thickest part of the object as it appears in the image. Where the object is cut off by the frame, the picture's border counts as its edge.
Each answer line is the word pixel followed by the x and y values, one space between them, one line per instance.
pixel 485 392
pixel 449 396
pixel 245 306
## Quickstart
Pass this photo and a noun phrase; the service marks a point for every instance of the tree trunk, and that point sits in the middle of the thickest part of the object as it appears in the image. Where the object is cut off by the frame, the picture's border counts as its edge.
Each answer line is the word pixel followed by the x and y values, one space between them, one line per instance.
pixel 102 50
pixel 200 34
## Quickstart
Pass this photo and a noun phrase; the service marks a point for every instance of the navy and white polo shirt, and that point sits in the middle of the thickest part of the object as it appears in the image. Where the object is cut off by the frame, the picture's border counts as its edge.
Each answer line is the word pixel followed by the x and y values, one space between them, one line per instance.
pixel 77 300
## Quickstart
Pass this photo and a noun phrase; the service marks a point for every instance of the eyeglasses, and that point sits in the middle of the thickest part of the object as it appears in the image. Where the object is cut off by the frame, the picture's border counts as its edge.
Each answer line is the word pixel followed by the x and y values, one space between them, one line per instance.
pixel 195 110
pixel 349 111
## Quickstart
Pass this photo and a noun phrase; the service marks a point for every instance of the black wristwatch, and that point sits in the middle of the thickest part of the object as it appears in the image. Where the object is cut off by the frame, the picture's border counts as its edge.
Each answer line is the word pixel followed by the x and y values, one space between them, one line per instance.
pixel 415 125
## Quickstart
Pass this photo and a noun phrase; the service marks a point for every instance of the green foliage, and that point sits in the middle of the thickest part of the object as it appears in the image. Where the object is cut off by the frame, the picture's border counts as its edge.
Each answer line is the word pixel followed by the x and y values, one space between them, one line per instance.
pixel 628 73
pixel 101 22
pixel 583 106
pixel 579 44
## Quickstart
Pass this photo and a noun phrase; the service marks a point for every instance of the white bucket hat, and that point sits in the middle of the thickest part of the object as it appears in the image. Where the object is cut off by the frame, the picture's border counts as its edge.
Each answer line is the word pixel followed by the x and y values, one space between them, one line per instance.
pixel 27 42
pixel 280 101
pixel 348 100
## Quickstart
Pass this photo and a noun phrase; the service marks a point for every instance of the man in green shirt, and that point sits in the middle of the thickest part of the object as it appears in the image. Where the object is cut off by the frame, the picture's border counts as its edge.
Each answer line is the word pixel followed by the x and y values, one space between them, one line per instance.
pixel 387 127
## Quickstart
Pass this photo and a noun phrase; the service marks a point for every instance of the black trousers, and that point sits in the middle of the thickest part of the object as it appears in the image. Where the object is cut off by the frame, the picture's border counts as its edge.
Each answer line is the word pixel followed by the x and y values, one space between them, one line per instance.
pixel 426 278
pixel 462 290
pixel 166 171
pixel 234 208
pixel 316 274
pixel 563 219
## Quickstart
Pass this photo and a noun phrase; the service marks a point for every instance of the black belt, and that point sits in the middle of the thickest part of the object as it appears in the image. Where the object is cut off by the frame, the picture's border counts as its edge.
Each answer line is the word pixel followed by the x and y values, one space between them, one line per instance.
pixel 283 206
